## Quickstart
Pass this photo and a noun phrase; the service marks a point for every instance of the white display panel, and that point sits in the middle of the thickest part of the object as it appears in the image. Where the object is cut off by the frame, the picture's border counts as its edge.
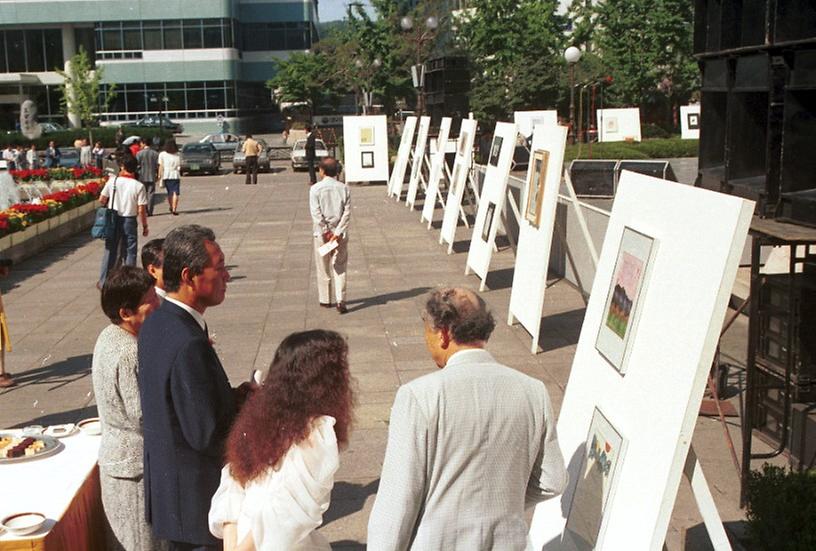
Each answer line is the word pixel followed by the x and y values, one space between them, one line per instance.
pixel 418 160
pixel 690 122
pixel 403 153
pixel 618 125
pixel 459 176
pixel 365 148
pixel 655 403
pixel 526 121
pixel 492 199
pixel 436 172
pixel 536 227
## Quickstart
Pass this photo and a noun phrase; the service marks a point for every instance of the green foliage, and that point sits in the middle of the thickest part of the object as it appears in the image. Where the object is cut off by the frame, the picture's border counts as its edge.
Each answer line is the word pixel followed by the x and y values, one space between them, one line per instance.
pixel 670 148
pixel 80 89
pixel 104 134
pixel 782 509
pixel 305 77
pixel 514 48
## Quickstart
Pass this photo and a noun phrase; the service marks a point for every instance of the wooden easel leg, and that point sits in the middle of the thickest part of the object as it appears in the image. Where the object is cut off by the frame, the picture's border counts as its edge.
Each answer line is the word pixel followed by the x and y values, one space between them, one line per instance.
pixel 705 502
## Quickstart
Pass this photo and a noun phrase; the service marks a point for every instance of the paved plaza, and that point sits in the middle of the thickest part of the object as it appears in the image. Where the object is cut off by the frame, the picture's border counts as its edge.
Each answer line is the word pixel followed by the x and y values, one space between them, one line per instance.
pixel 265 233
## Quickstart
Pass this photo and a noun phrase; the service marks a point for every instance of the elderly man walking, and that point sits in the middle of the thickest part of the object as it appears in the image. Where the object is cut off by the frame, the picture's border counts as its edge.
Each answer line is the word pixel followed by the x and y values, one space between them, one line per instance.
pixel 330 204
pixel 467 445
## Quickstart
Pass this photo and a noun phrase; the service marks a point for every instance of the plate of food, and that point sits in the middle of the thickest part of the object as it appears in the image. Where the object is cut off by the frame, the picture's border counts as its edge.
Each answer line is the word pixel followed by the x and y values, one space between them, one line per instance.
pixel 15 448
pixel 91 427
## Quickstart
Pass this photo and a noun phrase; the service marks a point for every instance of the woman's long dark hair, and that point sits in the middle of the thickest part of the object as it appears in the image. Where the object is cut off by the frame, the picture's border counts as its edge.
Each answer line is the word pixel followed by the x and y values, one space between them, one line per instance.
pixel 309 377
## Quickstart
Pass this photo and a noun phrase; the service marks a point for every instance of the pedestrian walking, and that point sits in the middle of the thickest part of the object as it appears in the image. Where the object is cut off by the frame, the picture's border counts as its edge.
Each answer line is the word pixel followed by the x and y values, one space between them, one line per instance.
pixel 170 174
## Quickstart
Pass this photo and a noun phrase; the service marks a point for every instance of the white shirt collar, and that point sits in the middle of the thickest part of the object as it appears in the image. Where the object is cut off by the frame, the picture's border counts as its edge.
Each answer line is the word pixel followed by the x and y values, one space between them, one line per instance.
pixel 463 355
pixel 190 310
pixel 161 293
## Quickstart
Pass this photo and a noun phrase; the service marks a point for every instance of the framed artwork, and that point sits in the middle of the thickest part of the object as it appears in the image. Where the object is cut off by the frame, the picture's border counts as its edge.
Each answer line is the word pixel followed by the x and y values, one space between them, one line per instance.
pixel 367 159
pixel 611 125
pixel 416 163
pixel 495 149
pixel 491 210
pixel 535 187
pixel 626 290
pixel 600 462
pixel 463 138
pixel 454 187
pixel 367 135
pixel 693 120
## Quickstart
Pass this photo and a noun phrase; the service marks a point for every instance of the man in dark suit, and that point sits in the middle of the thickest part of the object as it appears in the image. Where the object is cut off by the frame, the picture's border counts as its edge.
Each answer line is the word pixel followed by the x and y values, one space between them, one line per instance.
pixel 187 402
pixel 310 149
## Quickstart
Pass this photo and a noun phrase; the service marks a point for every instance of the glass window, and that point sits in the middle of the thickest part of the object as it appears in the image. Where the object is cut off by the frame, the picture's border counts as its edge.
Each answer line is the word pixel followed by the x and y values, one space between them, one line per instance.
pixel 35 52
pixel 277 38
pixel 212 37
pixel 3 67
pixel 176 98
pixel 112 39
pixel 228 41
pixel 83 37
pixel 132 36
pixel 118 103
pixel 192 33
pixel 152 38
pixel 15 51
pixel 255 37
pixel 215 98
pixel 195 99
pixel 172 35
pixel 230 97
pixel 136 100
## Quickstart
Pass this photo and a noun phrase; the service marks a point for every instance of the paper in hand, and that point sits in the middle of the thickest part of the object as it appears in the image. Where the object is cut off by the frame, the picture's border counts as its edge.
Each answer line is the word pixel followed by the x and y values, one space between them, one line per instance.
pixel 327 247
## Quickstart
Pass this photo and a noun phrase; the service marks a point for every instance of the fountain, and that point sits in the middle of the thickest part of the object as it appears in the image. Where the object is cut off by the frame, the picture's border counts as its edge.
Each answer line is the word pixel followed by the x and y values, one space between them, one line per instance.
pixel 8 191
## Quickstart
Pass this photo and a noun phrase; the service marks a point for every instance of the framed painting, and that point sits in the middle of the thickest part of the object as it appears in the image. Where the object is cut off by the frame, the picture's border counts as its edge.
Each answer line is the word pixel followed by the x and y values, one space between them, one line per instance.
pixel 416 164
pixel 463 138
pixel 454 187
pixel 495 150
pixel 535 187
pixel 625 295
pixel 367 159
pixel 366 135
pixel 611 125
pixel 600 461
pixel 693 120
pixel 491 211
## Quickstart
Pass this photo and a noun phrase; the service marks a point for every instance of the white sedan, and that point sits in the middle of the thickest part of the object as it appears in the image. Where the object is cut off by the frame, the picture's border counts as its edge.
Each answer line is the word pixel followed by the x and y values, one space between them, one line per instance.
pixel 299 153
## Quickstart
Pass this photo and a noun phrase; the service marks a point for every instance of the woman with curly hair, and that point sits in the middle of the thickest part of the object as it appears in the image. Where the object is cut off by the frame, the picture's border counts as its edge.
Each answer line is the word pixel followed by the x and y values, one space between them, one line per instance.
pixel 283 450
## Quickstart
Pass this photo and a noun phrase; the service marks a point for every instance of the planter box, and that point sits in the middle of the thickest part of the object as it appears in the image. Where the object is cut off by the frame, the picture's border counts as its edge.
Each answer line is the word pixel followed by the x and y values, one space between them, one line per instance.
pixel 38 237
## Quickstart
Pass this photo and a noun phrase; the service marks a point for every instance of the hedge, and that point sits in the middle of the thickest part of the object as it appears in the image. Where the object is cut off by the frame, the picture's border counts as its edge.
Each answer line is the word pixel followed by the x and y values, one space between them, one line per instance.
pixel 782 509
pixel 104 134
pixel 669 148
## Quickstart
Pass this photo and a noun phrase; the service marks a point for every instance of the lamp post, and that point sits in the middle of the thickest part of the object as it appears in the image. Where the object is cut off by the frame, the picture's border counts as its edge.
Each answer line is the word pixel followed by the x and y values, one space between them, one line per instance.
pixel 418 70
pixel 572 55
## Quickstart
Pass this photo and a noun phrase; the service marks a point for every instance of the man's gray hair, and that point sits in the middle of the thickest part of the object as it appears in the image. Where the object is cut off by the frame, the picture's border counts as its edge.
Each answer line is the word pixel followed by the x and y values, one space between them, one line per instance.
pixel 462 312
pixel 184 247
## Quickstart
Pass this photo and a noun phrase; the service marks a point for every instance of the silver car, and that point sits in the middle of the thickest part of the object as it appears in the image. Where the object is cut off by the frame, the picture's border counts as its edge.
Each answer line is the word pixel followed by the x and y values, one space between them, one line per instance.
pixel 299 153
pixel 239 159
pixel 224 143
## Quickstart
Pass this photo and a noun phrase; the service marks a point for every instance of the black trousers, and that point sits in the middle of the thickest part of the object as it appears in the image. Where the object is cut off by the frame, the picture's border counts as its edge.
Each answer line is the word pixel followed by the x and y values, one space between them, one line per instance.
pixel 312 176
pixel 251 169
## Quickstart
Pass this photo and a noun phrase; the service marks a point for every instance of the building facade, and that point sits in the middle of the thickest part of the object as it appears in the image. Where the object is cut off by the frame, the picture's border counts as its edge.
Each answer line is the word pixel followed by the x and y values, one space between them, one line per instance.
pixel 190 59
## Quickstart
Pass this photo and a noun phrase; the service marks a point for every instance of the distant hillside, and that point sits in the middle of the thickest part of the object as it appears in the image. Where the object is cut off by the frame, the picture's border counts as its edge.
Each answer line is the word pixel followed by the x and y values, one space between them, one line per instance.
pixel 325 29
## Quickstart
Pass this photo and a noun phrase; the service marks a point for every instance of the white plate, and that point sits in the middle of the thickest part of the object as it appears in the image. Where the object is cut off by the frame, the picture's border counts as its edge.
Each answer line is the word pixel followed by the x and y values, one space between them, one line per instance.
pixel 21 524
pixel 61 431
pixel 91 427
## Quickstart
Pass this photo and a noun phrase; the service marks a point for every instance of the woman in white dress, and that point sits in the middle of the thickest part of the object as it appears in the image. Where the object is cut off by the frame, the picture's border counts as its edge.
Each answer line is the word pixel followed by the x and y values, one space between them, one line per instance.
pixel 170 174
pixel 283 450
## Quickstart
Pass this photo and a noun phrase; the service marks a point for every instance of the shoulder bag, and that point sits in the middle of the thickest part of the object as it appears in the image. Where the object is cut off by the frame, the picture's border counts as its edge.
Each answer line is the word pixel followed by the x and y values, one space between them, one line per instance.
pixel 105 218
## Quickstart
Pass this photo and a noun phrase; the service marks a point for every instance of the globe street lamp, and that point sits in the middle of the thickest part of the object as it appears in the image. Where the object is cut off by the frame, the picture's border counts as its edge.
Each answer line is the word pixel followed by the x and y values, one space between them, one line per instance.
pixel 418 70
pixel 572 55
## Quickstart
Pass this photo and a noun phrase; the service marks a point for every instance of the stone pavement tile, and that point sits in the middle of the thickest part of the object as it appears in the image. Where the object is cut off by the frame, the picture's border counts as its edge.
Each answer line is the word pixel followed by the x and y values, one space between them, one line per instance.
pixel 372 416
pixel 378 382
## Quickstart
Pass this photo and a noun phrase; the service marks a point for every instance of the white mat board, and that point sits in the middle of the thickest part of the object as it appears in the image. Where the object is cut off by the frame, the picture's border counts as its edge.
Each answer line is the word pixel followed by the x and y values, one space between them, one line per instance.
pixel 533 250
pixel 492 199
pixel 690 122
pixel 459 176
pixel 436 172
pixel 617 125
pixel 671 337
pixel 526 121
pixel 403 152
pixel 417 160
pixel 365 148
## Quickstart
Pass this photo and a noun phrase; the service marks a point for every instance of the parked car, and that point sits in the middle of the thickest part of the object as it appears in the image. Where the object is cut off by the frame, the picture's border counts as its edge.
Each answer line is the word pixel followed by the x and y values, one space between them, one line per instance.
pixel 299 154
pixel 49 127
pixel 200 157
pixel 154 121
pixel 69 157
pixel 224 143
pixel 239 160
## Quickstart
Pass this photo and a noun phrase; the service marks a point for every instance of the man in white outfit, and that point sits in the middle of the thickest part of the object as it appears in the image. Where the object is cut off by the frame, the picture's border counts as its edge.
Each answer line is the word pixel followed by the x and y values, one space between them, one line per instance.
pixel 330 204
pixel 469 446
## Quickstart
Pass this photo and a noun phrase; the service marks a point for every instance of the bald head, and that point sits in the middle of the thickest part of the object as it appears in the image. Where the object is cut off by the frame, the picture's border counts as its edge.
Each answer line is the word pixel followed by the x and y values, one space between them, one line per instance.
pixel 462 313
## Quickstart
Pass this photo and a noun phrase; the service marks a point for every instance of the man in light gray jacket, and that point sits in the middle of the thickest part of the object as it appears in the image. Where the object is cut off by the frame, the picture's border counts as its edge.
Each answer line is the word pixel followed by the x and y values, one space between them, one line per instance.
pixel 469 446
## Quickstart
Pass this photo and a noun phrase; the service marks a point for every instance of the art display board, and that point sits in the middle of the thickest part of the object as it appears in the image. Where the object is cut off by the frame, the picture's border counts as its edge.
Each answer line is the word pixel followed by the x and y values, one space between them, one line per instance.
pixel 538 206
pixel 683 284
pixel 491 202
pixel 365 148
pixel 417 160
pixel 526 121
pixel 436 172
pixel 617 125
pixel 690 122
pixel 458 183
pixel 403 153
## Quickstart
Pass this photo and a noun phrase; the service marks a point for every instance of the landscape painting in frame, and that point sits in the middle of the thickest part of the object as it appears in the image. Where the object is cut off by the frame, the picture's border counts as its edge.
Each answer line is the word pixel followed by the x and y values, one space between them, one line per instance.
pixel 367 135
pixel 600 461
pixel 491 210
pixel 462 142
pixel 626 291
pixel 495 149
pixel 367 159
pixel 535 187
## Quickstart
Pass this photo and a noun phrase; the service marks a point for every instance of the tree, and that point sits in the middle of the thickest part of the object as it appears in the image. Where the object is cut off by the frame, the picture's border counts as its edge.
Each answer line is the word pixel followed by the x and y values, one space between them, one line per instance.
pixel 305 77
pixel 646 45
pixel 80 90
pixel 515 49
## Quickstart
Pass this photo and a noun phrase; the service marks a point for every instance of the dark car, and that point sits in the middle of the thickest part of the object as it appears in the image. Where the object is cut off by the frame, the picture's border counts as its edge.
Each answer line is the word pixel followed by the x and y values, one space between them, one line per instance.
pixel 69 157
pixel 200 157
pixel 225 143
pixel 154 121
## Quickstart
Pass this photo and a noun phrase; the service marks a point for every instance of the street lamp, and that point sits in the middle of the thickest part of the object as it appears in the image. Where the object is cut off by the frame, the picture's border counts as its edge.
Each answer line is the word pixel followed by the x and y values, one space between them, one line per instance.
pixel 418 70
pixel 572 55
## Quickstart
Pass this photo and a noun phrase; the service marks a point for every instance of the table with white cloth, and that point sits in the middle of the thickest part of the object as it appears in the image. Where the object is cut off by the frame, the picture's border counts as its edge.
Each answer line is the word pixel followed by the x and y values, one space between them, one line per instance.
pixel 65 488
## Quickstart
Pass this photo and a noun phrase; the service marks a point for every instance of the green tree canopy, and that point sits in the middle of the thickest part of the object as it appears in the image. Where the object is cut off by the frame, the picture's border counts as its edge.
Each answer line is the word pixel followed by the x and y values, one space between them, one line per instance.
pixel 80 89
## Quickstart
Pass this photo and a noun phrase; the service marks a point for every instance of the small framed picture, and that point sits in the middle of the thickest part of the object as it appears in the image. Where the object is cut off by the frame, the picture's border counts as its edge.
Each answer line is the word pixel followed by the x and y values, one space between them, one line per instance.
pixel 693 121
pixel 367 159
pixel 495 150
pixel 463 138
pixel 535 187
pixel 491 210
pixel 367 135
pixel 611 125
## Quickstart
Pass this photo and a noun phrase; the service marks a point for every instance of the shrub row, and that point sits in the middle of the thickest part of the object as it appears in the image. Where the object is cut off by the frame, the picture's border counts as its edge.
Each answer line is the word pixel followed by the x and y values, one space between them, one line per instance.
pixel 668 148
pixel 105 134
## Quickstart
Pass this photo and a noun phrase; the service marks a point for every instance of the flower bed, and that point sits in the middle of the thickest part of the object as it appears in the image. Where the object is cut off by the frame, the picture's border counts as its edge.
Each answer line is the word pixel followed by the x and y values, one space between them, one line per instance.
pixel 47 174
pixel 17 217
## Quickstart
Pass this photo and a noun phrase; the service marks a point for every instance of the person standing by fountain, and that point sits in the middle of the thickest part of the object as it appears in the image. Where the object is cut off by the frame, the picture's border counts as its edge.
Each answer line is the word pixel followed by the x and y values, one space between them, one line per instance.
pixel 52 155
pixel 32 158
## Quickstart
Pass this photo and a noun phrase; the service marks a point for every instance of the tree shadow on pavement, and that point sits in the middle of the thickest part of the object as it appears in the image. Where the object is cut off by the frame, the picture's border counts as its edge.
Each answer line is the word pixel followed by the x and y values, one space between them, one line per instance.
pixel 54 375
pixel 63 417
pixel 347 499
pixel 361 303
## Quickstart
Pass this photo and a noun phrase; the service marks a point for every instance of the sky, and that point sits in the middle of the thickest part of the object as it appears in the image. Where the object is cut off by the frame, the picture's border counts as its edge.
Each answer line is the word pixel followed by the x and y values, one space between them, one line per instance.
pixel 332 10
